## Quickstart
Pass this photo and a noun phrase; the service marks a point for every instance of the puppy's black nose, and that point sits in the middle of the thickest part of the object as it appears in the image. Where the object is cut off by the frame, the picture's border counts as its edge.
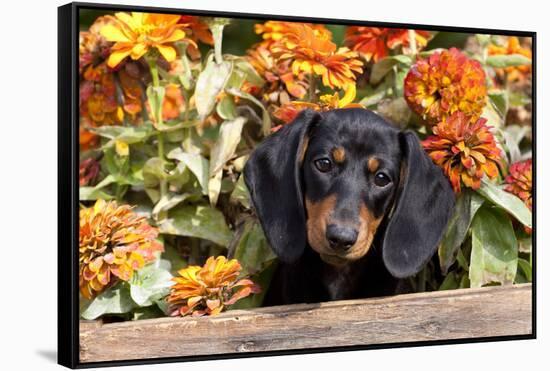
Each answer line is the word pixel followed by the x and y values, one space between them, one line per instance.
pixel 341 238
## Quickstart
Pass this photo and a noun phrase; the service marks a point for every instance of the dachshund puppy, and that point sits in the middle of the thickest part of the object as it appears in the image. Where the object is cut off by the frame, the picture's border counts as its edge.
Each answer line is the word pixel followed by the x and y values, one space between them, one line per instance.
pixel 349 204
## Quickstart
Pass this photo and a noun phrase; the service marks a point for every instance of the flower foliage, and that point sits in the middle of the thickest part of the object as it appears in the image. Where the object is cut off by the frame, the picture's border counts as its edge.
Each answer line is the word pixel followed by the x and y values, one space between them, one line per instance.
pixel 519 181
pixel 375 43
pixel 465 150
pixel 114 242
pixel 209 289
pixel 446 82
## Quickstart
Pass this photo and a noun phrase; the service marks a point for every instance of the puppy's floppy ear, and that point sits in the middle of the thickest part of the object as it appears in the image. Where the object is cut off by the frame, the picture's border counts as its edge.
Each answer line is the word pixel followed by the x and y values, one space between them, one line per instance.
pixel 273 177
pixel 424 204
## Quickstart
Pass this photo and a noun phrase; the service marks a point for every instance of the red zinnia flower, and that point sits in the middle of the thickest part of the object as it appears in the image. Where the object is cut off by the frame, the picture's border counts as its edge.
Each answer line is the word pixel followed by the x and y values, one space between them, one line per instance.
pixel 374 43
pixel 465 150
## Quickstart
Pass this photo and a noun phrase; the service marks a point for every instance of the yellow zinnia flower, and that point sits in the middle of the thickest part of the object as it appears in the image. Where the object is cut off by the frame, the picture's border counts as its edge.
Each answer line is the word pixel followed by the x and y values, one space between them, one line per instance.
pixel 134 34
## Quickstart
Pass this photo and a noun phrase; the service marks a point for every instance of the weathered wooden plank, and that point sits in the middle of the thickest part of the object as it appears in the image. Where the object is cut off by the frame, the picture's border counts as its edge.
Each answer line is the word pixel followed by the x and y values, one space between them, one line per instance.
pixel 457 314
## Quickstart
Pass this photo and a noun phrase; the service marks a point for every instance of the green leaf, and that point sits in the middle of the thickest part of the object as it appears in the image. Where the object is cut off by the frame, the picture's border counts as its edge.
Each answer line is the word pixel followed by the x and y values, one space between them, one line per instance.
pixel 513 135
pixel 215 187
pixel 499 100
pixel 510 60
pixel 493 117
pixel 249 72
pixel 149 284
pixel 507 201
pixel 240 193
pixel 450 282
pixel 253 251
pixel 96 192
pixel 114 300
pixel 466 207
pixel 210 83
pixel 494 256
pixel 127 134
pixel 197 221
pixel 223 150
pixel 226 108
pixel 168 202
pixel 266 119
pixel 526 268
pixel 196 163
pixel 153 172
pixel 385 65
pixel 175 259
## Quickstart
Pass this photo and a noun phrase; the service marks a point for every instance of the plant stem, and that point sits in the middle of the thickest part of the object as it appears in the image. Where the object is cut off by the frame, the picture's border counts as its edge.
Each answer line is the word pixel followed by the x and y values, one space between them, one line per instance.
pixel 163 184
pixel 312 89
pixel 217 32
pixel 160 138
pixel 154 71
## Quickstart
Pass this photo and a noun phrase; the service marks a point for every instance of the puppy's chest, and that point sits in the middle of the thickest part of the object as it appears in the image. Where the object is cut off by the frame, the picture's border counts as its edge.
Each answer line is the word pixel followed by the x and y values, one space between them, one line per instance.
pixel 340 283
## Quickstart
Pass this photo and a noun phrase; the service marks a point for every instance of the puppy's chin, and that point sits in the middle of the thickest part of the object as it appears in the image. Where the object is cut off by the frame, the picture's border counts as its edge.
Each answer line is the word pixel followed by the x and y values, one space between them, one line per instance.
pixel 334 260
pixel 342 260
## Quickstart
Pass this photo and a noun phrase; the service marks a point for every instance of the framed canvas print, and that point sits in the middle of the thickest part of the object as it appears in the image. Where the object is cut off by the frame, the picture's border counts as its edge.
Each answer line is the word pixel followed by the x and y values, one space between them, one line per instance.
pixel 235 185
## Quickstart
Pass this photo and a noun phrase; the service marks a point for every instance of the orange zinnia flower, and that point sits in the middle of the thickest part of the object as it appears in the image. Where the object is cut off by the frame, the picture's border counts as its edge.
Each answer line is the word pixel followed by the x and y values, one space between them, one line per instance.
pixel 520 181
pixel 288 112
pixel 374 43
pixel 464 149
pixel 513 73
pixel 209 289
pixel 196 30
pixel 114 242
pixel 311 51
pixel 444 83
pixel 136 33
pixel 278 76
pixel 273 31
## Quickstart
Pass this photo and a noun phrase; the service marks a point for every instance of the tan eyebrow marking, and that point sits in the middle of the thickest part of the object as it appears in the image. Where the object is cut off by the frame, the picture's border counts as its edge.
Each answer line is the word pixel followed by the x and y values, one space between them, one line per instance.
pixel 373 164
pixel 339 154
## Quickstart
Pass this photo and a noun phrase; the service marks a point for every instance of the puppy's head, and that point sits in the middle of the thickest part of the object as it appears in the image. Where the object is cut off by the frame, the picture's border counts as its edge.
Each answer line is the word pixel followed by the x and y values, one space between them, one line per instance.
pixel 329 179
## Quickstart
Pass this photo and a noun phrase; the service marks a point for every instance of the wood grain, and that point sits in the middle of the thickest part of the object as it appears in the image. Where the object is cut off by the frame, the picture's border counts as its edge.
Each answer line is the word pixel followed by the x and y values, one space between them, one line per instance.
pixel 456 314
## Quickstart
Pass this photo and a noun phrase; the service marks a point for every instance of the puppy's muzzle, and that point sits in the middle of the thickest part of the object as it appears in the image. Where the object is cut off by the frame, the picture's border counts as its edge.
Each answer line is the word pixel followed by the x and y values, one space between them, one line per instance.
pixel 341 238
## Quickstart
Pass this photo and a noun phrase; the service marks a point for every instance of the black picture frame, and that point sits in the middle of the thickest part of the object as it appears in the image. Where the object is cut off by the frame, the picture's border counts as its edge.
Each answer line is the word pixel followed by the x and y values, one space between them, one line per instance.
pixel 68 188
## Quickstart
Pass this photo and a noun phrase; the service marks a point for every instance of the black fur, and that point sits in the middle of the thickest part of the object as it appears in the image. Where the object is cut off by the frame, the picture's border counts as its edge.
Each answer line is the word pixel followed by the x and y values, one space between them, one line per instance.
pixel 413 208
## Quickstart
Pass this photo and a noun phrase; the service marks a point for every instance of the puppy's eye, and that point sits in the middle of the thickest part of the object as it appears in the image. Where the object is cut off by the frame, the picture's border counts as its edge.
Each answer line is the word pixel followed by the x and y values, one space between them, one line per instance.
pixel 323 165
pixel 381 179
